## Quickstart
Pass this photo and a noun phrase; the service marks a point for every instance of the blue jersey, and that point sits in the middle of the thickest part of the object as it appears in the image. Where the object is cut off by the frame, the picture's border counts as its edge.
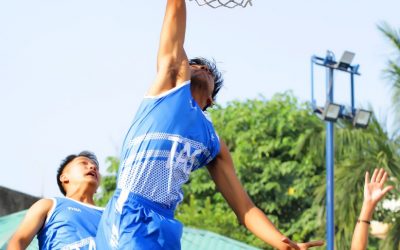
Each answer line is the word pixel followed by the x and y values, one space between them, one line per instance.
pixel 70 225
pixel 169 138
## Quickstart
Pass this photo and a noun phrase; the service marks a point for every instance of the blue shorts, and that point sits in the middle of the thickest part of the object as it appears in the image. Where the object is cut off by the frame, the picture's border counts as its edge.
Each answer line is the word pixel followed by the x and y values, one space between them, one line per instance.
pixel 137 224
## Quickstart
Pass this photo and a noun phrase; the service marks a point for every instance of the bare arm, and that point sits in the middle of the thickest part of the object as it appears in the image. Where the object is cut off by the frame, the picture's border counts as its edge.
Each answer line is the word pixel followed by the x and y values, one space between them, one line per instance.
pixel 224 176
pixel 172 62
pixel 31 224
pixel 373 193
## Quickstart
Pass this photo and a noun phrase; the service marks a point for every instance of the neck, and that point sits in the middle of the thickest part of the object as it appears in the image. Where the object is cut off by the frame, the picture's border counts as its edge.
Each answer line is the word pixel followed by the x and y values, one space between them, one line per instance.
pixel 82 195
pixel 197 97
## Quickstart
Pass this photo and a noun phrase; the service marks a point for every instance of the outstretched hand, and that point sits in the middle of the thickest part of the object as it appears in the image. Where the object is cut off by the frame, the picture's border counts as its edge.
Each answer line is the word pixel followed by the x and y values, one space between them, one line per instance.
pixel 303 246
pixel 373 189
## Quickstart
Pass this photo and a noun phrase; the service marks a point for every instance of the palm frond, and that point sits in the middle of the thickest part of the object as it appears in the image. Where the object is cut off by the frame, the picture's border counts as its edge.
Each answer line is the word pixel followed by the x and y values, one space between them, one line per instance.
pixel 392 71
pixel 392 34
pixel 356 151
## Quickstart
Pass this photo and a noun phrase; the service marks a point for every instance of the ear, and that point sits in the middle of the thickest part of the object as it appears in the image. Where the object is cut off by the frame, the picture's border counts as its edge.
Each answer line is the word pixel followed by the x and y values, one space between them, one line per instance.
pixel 209 103
pixel 64 178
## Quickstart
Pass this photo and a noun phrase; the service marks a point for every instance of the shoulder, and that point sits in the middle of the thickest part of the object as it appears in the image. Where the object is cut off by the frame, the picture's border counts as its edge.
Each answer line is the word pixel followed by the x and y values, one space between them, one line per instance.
pixel 170 76
pixel 43 204
pixel 223 153
pixel 40 210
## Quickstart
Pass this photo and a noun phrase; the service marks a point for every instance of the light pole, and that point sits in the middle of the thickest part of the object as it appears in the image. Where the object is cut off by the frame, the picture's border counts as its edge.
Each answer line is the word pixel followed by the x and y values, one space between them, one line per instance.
pixel 330 113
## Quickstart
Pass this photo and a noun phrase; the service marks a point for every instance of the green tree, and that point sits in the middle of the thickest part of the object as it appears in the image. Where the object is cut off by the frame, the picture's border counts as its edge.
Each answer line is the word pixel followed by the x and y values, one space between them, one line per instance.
pixel 278 147
pixel 357 151
pixel 268 141
pixel 392 71
pixel 108 182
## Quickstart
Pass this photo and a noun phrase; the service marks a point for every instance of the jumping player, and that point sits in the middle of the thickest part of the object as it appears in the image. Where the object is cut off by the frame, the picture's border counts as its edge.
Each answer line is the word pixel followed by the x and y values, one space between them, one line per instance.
pixel 169 138
pixel 69 222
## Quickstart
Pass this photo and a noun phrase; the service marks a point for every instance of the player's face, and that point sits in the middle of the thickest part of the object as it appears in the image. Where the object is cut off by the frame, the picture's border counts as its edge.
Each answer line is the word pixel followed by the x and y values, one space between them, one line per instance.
pixel 82 170
pixel 203 82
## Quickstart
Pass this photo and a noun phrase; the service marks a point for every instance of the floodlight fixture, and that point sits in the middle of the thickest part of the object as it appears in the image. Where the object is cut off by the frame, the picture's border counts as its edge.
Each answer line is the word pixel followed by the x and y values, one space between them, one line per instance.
pixel 331 111
pixel 362 118
pixel 345 60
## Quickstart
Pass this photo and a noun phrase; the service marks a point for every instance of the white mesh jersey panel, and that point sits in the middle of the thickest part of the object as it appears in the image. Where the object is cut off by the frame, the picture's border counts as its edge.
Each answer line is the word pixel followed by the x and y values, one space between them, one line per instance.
pixel 156 173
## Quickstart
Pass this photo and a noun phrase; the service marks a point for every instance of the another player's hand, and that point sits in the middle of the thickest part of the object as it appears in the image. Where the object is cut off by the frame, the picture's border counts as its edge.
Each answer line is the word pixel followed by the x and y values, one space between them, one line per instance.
pixel 373 189
pixel 303 246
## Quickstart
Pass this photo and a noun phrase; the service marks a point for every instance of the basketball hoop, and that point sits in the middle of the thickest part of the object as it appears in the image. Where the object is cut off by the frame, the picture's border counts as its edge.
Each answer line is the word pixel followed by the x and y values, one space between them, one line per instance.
pixel 225 3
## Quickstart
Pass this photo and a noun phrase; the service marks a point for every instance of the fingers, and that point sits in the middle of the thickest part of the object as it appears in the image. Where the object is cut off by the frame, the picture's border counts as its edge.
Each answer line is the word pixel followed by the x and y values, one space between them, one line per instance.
pixel 290 243
pixel 373 178
pixel 366 178
pixel 379 175
pixel 386 189
pixel 384 177
pixel 315 243
pixel 305 245
pixel 381 172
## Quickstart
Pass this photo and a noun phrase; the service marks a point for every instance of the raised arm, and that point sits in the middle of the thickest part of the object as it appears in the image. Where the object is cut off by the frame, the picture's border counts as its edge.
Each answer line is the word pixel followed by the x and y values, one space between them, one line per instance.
pixel 373 193
pixel 30 226
pixel 172 62
pixel 224 176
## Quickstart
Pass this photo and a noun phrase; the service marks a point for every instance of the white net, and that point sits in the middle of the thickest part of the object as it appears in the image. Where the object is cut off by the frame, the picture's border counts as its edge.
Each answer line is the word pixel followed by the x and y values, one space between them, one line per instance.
pixel 224 3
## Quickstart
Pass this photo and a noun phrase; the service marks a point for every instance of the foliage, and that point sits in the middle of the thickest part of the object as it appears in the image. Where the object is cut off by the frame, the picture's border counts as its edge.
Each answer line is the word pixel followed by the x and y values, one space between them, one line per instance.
pixel 356 152
pixel 392 70
pixel 268 141
pixel 278 147
pixel 108 182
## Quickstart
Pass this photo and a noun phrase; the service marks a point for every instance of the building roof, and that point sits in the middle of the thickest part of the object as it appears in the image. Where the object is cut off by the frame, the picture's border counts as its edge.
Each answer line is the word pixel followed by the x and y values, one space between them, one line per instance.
pixel 192 239
pixel 9 224
pixel 12 201
pixel 197 239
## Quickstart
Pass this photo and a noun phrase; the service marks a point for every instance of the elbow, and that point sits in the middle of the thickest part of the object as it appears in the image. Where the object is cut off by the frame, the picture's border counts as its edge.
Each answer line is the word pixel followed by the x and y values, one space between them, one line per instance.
pixel 246 212
pixel 17 243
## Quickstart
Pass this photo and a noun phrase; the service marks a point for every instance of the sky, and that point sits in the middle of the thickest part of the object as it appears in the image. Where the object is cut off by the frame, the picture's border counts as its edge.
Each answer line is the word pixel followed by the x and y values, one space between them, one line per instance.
pixel 72 73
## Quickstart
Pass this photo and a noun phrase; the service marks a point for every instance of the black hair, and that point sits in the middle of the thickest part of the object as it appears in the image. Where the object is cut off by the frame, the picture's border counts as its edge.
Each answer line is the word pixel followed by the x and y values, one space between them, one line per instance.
pixel 212 67
pixel 67 160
